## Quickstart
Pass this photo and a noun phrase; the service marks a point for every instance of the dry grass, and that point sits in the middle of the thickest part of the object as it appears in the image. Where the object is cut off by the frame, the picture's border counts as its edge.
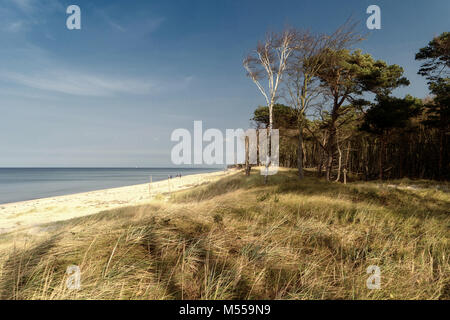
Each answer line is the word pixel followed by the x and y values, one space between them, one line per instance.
pixel 240 239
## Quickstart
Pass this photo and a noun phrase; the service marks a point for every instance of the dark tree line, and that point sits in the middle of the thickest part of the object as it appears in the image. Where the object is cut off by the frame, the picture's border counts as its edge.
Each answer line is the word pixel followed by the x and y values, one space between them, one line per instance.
pixel 341 118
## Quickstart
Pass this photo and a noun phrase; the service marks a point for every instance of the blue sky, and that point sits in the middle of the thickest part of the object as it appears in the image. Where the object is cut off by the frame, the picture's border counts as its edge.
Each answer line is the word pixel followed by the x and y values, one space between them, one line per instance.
pixel 111 93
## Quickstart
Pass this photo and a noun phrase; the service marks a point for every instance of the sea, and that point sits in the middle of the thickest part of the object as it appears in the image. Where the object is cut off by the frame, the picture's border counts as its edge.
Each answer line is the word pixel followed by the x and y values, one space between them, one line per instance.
pixel 21 184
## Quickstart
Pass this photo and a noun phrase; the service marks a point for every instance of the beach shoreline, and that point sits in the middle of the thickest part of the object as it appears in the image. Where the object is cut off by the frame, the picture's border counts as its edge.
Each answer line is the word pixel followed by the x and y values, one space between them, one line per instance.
pixel 31 213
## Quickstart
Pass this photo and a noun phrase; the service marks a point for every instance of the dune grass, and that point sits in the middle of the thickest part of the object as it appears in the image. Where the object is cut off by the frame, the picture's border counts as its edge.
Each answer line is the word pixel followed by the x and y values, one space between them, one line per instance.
pixel 240 239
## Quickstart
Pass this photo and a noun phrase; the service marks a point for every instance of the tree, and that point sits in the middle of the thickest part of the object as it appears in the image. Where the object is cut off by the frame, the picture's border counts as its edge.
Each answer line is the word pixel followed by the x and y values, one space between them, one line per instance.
pixel 267 65
pixel 436 68
pixel 284 117
pixel 285 121
pixel 345 77
pixel 389 113
pixel 306 61
pixel 436 57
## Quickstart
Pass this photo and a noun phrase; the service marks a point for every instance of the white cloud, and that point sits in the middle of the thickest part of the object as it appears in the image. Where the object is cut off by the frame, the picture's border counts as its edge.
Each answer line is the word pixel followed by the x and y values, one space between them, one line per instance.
pixel 31 6
pixel 24 5
pixel 82 84
pixel 139 27
pixel 16 26
pixel 21 15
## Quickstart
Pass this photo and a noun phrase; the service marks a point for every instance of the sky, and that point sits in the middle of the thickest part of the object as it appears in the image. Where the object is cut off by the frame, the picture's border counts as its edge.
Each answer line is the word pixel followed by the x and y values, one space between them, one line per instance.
pixel 111 94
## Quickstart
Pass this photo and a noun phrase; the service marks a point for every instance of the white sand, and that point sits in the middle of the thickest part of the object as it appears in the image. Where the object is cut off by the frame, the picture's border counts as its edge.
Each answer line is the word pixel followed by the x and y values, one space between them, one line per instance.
pixel 26 214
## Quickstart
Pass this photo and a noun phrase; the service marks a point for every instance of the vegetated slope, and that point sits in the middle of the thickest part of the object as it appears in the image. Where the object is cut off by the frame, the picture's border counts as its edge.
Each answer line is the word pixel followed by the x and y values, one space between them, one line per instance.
pixel 240 239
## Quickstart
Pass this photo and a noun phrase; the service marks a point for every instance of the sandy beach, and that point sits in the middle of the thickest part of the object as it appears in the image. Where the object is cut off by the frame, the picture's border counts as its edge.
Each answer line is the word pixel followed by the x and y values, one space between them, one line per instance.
pixel 27 214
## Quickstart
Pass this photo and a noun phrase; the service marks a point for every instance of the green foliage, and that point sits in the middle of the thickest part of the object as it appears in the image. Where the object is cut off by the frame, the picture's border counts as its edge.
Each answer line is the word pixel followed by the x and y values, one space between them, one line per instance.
pixel 438 110
pixel 284 117
pixel 389 113
pixel 340 72
pixel 349 123
pixel 347 73
pixel 436 56
pixel 381 78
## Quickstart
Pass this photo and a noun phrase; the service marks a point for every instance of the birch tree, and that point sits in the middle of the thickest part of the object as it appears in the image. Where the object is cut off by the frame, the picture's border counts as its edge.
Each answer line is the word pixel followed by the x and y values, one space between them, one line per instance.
pixel 266 66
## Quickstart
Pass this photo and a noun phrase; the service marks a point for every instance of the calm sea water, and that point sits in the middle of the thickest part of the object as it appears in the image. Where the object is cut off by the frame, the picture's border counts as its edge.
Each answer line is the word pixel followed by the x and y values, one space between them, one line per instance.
pixel 20 184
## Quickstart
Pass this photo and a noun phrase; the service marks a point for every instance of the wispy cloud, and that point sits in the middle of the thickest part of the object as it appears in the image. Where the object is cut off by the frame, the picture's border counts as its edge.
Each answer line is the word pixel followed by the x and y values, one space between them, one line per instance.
pixel 32 6
pixel 20 16
pixel 136 26
pixel 43 73
pixel 24 5
pixel 16 26
pixel 82 84
pixel 40 72
pixel 115 25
